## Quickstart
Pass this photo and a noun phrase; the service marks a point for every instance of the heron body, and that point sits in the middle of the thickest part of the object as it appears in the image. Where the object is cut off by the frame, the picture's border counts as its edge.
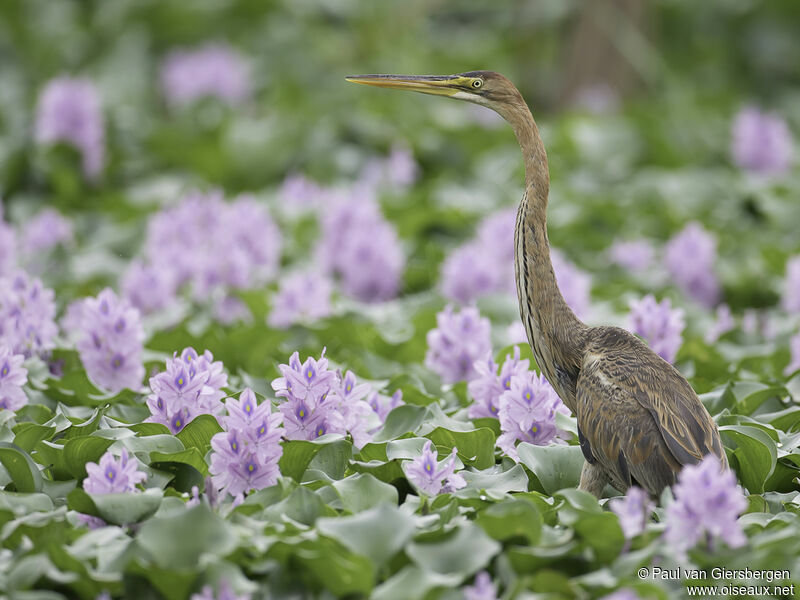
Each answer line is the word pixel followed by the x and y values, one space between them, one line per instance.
pixel 639 420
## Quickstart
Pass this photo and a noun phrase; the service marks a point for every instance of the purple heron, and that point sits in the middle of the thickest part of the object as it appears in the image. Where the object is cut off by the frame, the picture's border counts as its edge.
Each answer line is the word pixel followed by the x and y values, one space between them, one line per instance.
pixel 639 420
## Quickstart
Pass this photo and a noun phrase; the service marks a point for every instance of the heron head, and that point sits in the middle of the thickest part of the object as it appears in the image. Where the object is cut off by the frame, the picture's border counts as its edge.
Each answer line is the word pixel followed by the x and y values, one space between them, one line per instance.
pixel 481 87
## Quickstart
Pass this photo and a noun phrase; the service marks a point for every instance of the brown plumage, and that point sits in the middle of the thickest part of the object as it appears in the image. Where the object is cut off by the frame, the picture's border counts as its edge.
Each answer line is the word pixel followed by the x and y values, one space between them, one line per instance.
pixel 639 420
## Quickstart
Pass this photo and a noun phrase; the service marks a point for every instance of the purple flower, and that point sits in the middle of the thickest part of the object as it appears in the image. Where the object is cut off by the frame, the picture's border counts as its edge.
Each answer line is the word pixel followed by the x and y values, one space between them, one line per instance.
pixel 245 456
pixel 382 405
pixel 624 594
pixel 45 231
pixel 430 477
pixel 69 110
pixel 459 340
pixel 191 386
pixel 791 291
pixel 794 362
pixel 299 193
pixel 487 386
pixel 361 247
pixel 208 243
pixel 707 505
pixel 722 325
pixel 27 312
pixel 212 71
pixel 575 285
pixel 224 592
pixel 689 257
pixel 113 476
pixel 398 170
pixel 149 287
pixel 633 511
pixel 762 142
pixel 111 340
pixel 527 413
pixel 634 256
pixel 482 589
pixel 658 324
pixel 12 377
pixel 301 297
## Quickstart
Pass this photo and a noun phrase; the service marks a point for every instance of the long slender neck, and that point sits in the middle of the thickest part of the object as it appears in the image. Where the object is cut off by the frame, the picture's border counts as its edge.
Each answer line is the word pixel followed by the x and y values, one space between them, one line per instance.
pixel 556 335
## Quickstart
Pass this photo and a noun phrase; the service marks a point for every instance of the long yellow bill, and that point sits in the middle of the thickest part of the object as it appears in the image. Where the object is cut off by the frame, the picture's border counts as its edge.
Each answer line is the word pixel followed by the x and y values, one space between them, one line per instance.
pixel 440 85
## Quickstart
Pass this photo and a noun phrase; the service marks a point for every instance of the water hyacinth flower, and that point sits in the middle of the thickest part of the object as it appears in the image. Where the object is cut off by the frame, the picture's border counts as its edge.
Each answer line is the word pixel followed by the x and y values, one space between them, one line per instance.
pixel 634 256
pixel 148 287
pixel 487 386
pixel 791 291
pixel 301 297
pixel 298 193
pixel 429 476
pixel 111 342
pixel 574 284
pixel 633 510
pixel 382 405
pixel 689 257
pixel 360 247
pixel 762 142
pixel 214 70
pixel 191 386
pixel 482 589
pixel 12 377
pixel 210 244
pixel 112 475
pixel 27 313
pixel 398 170
pixel 69 111
pixel 245 456
pixel 659 324
pixel 794 361
pixel 624 594
pixel 707 505
pixel 224 592
pixel 722 324
pixel 45 231
pixel 458 341
pixel 527 413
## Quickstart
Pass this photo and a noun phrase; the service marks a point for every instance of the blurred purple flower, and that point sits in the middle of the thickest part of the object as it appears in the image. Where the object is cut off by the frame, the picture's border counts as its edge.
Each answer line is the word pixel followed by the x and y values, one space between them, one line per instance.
pixel 659 324
pixel 229 310
pixel 516 333
pixel 112 475
pixel 487 386
pixel 430 477
pixel 302 297
pixel 482 589
pixel 69 110
pixel 149 287
pixel 598 98
pixel 633 510
pixel 299 193
pixel 791 290
pixel 398 170
pixel 527 413
pixel 458 341
pixel 762 142
pixel 224 592
pixel 209 243
pixel 361 247
pixel 689 257
pixel 45 231
pixel 191 386
pixel 634 256
pixel 707 505
pixel 245 456
pixel 794 361
pixel 624 594
pixel 27 312
pixel 722 324
pixel 214 70
pixel 574 284
pixel 382 405
pixel 111 341
pixel 12 377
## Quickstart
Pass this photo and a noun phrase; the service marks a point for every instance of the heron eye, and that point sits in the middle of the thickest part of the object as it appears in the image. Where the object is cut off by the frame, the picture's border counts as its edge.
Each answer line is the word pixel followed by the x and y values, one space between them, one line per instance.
pixel 477 83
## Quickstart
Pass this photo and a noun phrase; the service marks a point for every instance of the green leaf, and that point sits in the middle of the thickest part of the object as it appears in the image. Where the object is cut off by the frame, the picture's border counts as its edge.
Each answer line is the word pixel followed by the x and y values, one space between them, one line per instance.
pixel 302 505
pixel 494 482
pixel 81 450
pixel 27 435
pixel 363 491
pixel 513 518
pixel 188 468
pixel 51 456
pixel 190 456
pixel 198 433
pixel 755 453
pixel 556 467
pixel 332 459
pixel 475 448
pixel 403 419
pixel 25 502
pixel 297 454
pixel 88 426
pixel 378 533
pixel 463 552
pixel 21 468
pixel 117 509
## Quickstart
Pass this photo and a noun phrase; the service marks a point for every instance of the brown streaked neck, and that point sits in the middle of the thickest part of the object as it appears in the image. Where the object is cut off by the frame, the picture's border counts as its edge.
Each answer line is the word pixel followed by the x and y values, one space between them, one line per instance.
pixel 555 333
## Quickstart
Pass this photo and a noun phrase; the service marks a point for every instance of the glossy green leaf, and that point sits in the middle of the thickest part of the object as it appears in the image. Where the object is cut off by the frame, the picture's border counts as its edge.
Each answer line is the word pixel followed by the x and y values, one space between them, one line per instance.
pixel 21 468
